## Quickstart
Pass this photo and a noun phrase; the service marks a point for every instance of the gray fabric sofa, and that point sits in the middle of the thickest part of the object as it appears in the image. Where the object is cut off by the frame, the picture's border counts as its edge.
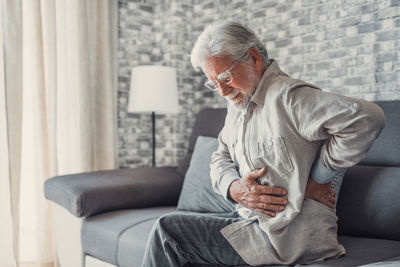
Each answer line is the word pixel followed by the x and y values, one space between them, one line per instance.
pixel 119 207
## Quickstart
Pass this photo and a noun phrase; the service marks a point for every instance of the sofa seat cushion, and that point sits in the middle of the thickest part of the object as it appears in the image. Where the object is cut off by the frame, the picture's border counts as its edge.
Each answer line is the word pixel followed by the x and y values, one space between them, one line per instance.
pixel 120 238
pixel 103 235
pixel 359 251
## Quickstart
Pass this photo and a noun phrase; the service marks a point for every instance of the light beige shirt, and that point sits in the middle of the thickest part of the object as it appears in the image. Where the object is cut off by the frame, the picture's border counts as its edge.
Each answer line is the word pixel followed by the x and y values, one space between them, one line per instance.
pixel 286 124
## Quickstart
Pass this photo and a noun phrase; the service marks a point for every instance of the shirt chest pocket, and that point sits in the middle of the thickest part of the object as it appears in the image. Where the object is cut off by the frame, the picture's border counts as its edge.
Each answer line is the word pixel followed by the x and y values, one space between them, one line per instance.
pixel 273 153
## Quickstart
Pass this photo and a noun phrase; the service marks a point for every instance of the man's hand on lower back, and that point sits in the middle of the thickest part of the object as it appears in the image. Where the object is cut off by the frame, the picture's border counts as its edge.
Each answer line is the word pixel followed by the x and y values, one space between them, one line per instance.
pixel 320 192
pixel 260 198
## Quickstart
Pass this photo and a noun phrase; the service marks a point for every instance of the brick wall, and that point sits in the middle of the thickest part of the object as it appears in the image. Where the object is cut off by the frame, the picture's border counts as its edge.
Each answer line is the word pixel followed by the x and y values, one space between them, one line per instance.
pixel 346 47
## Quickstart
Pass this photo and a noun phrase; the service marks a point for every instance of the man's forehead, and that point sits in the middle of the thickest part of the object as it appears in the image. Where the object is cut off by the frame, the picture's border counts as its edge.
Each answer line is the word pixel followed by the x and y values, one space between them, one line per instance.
pixel 216 64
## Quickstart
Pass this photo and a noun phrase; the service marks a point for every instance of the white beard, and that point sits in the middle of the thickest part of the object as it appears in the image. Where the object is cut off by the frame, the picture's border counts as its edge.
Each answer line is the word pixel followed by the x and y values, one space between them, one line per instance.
pixel 244 100
pixel 242 104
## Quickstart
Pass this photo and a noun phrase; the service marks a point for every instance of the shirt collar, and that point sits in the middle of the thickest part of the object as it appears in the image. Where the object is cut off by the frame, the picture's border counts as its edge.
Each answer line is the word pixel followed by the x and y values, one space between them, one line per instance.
pixel 271 71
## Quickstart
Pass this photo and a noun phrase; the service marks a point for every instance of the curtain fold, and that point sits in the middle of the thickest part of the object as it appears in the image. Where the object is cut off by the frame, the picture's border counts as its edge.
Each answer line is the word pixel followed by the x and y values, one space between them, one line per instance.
pixel 58 112
pixel 6 242
pixel 10 128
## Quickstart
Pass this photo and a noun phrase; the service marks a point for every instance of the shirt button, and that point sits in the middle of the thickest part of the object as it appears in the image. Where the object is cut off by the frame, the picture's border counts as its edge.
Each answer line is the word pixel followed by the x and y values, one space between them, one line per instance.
pixel 354 106
pixel 270 142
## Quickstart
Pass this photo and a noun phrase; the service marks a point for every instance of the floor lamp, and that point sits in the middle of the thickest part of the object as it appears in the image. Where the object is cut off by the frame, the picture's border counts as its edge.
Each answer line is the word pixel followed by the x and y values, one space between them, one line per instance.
pixel 153 89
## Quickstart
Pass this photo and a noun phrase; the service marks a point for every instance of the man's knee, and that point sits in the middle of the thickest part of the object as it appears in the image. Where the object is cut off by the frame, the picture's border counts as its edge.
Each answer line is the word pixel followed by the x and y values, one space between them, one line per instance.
pixel 169 218
pixel 166 221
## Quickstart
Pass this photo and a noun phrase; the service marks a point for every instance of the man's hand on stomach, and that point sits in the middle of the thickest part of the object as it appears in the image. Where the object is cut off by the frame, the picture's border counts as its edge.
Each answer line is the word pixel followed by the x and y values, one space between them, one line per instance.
pixel 259 198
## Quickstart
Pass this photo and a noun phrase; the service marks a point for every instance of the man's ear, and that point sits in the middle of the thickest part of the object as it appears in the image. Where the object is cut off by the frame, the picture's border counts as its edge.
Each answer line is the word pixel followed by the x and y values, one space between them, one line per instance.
pixel 255 58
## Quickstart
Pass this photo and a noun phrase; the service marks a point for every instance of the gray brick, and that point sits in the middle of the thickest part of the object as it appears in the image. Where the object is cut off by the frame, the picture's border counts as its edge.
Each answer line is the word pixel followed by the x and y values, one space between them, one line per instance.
pixel 296 50
pixel 337 73
pixel 350 21
pixel 144 153
pixel 385 57
pixel 388 35
pixel 240 4
pixel 354 81
pixel 209 93
pixel 266 4
pixel 131 162
pixel 269 37
pixel 364 9
pixel 296 68
pixel 210 5
pixel 134 27
pixel 323 65
pixel 336 53
pixel 309 38
pixel 324 84
pixel 352 41
pixel 386 77
pixel 283 42
pixel 281 8
pixel 304 20
pixel 296 14
pixel 259 14
pixel 146 8
pixel 156 58
pixel 370 27
pixel 395 2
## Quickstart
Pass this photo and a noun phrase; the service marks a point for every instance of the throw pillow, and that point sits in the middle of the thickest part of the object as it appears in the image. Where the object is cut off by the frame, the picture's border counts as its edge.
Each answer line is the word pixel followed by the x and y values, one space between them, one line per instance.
pixel 197 193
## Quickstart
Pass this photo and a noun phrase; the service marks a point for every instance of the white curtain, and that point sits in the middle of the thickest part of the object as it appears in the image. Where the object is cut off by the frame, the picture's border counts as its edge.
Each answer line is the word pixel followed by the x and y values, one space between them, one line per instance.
pixel 58 112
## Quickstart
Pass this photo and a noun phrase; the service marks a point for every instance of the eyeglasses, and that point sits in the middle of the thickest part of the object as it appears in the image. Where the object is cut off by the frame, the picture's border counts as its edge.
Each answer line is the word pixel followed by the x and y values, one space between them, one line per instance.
pixel 224 77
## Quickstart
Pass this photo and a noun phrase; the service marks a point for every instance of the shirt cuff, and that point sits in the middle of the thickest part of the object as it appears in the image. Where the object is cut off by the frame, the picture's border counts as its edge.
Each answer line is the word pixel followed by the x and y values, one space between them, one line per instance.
pixel 321 174
pixel 226 181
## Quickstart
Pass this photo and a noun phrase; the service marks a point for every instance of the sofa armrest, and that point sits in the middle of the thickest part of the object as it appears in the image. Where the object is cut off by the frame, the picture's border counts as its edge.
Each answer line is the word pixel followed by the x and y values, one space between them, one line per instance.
pixel 90 193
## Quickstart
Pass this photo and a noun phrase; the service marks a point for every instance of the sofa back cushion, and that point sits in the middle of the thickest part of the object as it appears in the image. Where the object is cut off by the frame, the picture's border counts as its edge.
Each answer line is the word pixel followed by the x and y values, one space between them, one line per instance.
pixel 197 193
pixel 386 149
pixel 369 202
pixel 209 122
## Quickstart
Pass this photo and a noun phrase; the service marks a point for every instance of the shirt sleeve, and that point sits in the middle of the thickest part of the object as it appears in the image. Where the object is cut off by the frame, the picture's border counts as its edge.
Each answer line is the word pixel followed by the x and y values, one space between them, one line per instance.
pixel 320 173
pixel 346 126
pixel 223 169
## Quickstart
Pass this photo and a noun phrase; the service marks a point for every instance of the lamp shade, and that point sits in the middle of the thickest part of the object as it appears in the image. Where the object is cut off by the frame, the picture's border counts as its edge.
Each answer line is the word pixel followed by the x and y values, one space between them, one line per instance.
pixel 153 89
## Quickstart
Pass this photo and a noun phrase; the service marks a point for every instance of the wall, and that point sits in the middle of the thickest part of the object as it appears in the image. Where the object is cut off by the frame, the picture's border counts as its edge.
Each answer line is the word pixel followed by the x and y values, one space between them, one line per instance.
pixel 345 47
pixel 153 32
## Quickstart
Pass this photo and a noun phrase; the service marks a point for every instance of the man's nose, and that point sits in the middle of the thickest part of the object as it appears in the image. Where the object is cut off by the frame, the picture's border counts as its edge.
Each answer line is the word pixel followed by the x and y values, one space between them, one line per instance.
pixel 223 89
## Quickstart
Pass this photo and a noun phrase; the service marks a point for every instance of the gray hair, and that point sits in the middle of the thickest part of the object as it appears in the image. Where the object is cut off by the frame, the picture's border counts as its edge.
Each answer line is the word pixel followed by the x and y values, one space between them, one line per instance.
pixel 226 39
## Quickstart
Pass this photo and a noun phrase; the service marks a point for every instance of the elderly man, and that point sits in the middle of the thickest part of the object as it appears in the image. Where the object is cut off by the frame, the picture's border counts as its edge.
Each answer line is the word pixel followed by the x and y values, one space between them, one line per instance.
pixel 283 142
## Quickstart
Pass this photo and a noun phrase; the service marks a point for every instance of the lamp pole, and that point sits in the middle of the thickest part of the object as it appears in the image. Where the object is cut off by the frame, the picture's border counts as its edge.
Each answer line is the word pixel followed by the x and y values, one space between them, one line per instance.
pixel 153 122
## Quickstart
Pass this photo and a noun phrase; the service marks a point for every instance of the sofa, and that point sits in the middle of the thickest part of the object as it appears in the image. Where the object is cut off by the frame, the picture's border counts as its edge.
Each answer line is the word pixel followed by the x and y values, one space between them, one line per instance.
pixel 104 218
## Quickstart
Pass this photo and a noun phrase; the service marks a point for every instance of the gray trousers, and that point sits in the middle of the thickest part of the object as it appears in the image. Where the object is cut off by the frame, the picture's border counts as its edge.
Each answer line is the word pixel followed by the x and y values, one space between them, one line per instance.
pixel 185 237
